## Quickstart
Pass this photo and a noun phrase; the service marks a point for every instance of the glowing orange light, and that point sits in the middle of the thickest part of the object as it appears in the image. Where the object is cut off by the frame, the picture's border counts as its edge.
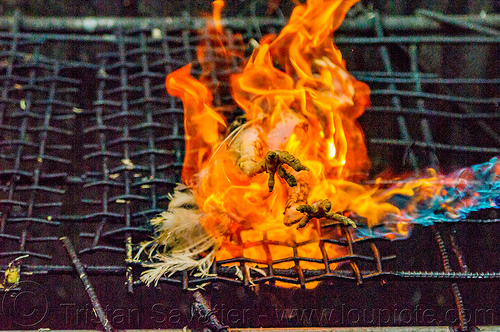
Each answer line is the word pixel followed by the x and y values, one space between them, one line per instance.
pixel 331 150
pixel 298 96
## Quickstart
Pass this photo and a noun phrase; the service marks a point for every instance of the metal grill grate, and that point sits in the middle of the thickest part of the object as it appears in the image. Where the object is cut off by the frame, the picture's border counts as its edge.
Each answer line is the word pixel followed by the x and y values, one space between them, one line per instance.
pixel 107 165
pixel 36 119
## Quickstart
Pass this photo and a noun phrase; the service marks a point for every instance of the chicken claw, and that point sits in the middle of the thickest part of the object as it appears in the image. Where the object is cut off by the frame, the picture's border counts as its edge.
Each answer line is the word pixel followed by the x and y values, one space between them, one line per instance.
pixel 321 209
pixel 273 163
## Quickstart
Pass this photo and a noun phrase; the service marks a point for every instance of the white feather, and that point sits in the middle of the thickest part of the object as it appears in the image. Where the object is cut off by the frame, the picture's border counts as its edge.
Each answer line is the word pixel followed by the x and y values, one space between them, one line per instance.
pixel 181 243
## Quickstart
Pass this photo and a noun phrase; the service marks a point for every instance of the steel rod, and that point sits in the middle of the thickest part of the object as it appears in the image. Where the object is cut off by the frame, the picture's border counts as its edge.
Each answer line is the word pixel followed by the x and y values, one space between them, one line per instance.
pixel 86 283
pixel 439 146
pixel 229 271
pixel 207 316
pixel 100 24
pixel 425 39
pixel 340 41
pixel 458 253
pixel 395 99
pixel 457 22
pixel 454 286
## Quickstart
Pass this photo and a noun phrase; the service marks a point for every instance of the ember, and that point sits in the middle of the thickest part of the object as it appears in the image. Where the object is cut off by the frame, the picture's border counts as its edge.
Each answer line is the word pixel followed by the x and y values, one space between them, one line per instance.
pixel 301 108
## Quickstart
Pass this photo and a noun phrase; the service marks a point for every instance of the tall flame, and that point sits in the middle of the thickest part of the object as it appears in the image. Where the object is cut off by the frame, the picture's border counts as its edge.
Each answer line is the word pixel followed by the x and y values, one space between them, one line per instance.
pixel 297 96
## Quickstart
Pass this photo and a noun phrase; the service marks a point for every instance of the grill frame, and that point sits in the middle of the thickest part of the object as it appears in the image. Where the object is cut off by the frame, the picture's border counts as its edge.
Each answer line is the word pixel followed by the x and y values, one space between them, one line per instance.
pixel 114 147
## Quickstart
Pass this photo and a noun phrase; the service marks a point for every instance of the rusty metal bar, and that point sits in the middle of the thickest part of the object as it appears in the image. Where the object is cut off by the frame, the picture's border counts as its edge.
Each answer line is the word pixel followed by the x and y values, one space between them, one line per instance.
pixel 424 123
pixel 458 253
pixel 436 146
pixel 226 271
pixel 352 263
pixel 80 269
pixel 200 308
pixel 448 19
pixel 396 100
pixel 415 23
pixel 454 286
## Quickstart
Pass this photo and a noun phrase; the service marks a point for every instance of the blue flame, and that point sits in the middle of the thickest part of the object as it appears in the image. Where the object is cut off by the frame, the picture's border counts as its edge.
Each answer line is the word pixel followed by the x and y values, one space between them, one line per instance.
pixel 474 188
pixel 460 193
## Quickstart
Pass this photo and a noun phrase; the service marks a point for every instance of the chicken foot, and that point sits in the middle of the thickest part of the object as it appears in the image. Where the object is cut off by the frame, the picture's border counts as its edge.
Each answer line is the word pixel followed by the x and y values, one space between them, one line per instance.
pixel 321 209
pixel 273 163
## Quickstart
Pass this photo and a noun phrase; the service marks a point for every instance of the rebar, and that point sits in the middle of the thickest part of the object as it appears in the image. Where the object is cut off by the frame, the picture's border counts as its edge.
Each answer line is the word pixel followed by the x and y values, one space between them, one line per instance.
pixel 99 24
pixel 227 275
pixel 206 315
pixel 454 286
pixel 458 23
pixel 86 283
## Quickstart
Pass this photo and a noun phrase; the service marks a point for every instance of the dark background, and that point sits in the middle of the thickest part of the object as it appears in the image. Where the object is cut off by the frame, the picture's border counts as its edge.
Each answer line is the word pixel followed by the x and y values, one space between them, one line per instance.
pixel 153 8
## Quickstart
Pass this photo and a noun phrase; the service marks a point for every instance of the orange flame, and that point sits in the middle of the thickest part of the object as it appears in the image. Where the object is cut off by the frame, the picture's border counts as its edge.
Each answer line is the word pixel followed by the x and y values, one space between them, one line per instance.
pixel 297 96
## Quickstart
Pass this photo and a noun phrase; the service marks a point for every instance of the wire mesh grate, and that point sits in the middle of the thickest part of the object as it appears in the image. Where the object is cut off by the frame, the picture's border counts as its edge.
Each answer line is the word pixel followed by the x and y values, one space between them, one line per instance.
pixel 36 119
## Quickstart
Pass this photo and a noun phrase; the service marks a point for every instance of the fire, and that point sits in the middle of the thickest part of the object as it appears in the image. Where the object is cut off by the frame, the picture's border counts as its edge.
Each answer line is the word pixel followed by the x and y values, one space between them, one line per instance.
pixel 297 96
